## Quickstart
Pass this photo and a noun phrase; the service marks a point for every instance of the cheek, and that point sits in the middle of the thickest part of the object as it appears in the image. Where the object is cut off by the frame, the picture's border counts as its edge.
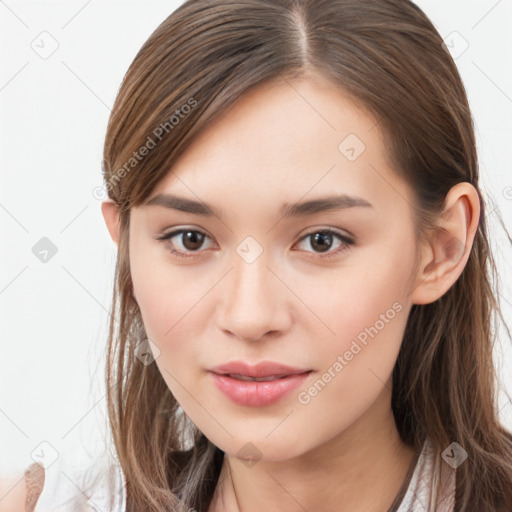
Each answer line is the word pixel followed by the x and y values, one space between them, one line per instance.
pixel 170 303
pixel 365 308
pixel 166 295
pixel 368 314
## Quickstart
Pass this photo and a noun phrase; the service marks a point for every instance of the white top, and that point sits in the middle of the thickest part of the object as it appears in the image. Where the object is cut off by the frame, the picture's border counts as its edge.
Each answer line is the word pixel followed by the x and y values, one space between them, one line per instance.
pixel 65 488
pixel 420 495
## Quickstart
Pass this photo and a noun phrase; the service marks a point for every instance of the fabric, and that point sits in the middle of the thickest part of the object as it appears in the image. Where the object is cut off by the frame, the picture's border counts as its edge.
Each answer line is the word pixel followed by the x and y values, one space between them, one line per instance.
pixel 102 488
pixel 67 488
pixel 420 495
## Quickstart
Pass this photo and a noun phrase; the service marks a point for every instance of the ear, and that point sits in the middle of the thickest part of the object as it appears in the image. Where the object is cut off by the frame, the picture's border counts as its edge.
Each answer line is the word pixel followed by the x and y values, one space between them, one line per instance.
pixel 111 216
pixel 446 253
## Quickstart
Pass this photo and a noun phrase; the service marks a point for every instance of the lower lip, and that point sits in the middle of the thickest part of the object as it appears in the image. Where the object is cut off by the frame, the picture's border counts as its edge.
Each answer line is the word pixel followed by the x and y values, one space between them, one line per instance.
pixel 257 394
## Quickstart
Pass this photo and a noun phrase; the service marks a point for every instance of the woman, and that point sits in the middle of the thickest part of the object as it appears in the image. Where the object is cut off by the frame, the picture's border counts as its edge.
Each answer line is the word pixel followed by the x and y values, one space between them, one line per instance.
pixel 302 312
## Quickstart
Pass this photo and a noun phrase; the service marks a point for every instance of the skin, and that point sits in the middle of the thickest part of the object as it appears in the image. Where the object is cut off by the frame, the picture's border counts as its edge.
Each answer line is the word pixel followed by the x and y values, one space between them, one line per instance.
pixel 279 144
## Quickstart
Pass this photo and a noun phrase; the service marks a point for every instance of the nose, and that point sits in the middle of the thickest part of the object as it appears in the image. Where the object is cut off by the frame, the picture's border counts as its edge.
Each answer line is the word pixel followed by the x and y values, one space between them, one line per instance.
pixel 254 302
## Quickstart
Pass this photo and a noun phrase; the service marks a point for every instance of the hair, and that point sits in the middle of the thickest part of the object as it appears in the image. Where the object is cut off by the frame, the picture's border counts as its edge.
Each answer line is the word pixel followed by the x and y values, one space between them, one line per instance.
pixel 390 60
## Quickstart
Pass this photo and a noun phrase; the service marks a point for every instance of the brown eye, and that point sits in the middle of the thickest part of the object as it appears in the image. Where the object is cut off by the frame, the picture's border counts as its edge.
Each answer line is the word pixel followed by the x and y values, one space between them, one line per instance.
pixel 187 241
pixel 192 240
pixel 322 241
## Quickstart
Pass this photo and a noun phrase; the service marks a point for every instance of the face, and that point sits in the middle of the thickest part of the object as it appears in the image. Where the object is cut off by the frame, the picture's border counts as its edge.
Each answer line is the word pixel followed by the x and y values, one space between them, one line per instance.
pixel 324 291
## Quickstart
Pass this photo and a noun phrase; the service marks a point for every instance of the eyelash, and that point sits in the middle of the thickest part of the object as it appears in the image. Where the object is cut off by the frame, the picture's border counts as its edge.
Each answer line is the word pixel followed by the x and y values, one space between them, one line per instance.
pixel 345 246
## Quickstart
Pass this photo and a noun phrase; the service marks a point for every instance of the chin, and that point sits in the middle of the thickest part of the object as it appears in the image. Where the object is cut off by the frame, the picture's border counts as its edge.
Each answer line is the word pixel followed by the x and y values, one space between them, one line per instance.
pixel 256 449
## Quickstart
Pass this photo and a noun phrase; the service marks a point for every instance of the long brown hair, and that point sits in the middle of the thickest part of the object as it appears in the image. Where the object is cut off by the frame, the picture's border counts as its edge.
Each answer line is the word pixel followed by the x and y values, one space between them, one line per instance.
pixel 388 56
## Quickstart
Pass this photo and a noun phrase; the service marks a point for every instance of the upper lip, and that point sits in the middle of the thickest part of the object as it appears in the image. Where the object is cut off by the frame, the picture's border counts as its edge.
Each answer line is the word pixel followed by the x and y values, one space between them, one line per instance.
pixel 262 369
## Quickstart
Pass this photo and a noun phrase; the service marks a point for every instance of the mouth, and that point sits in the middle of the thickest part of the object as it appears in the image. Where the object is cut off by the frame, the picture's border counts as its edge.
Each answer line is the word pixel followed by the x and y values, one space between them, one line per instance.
pixel 259 385
pixel 266 370
pixel 254 379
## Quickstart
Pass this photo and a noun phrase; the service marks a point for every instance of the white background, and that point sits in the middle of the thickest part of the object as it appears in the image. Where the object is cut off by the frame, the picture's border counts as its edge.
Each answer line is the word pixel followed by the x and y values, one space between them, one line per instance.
pixel 53 118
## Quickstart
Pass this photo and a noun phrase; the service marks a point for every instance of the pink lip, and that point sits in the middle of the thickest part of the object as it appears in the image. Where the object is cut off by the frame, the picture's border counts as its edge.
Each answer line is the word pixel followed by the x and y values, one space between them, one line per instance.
pixel 254 393
pixel 263 369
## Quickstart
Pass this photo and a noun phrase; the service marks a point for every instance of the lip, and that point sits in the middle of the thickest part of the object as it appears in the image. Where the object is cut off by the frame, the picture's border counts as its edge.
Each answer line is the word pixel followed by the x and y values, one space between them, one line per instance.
pixel 257 393
pixel 263 369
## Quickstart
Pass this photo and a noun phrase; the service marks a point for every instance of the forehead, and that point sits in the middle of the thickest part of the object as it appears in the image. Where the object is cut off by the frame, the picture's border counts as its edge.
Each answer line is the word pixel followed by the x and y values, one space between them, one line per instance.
pixel 287 140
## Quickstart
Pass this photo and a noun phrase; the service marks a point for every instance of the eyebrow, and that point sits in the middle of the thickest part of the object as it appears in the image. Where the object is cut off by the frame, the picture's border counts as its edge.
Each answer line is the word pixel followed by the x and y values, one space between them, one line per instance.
pixel 322 204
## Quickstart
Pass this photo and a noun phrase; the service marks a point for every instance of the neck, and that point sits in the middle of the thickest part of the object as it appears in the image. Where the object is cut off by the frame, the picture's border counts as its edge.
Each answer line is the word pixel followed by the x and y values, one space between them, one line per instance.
pixel 361 469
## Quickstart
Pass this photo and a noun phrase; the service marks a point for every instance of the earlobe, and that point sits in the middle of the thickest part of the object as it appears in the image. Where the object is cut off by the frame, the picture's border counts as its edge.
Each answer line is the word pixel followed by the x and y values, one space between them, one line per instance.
pixel 449 246
pixel 111 216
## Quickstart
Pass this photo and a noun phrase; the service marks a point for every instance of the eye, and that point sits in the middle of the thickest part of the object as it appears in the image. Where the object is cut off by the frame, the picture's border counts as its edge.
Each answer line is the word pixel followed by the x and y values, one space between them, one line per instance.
pixel 191 241
pixel 322 240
